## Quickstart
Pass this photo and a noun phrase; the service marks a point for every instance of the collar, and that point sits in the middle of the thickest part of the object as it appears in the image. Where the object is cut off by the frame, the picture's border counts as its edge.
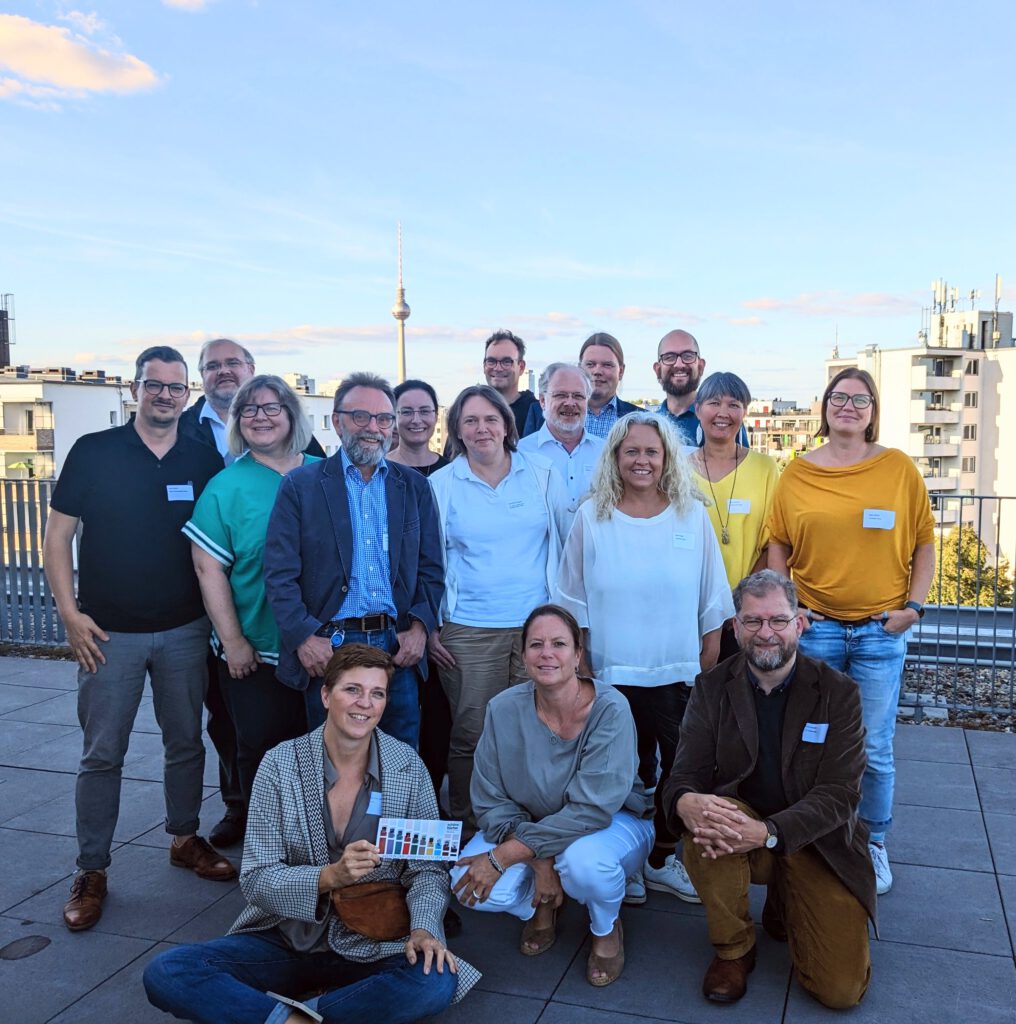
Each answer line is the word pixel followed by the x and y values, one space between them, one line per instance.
pixel 347 467
pixel 689 412
pixel 544 436
pixel 612 404
pixel 372 774
pixel 772 693
pixel 461 470
pixel 208 413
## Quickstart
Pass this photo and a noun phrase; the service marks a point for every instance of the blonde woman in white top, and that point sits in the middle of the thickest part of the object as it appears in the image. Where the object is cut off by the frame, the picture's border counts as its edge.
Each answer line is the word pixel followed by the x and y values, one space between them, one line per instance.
pixel 643 574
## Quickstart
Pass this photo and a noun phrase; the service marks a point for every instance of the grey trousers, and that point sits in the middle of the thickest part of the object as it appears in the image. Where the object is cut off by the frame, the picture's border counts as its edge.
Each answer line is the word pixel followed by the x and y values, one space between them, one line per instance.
pixel 108 702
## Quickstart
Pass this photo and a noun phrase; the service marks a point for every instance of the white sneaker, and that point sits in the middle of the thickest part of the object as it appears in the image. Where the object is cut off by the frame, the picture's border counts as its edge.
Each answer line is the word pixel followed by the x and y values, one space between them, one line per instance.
pixel 671 878
pixel 635 890
pixel 880 862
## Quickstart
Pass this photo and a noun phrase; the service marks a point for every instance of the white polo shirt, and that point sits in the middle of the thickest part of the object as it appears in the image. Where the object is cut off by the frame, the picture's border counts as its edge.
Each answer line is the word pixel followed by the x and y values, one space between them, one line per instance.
pixel 576 466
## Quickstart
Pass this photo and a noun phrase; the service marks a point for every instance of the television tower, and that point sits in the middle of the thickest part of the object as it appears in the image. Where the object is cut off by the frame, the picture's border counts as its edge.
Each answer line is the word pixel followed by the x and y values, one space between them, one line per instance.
pixel 401 313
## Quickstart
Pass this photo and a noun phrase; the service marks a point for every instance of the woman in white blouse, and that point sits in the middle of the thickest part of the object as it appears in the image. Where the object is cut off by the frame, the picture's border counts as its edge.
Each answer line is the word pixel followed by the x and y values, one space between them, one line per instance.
pixel 503 516
pixel 643 574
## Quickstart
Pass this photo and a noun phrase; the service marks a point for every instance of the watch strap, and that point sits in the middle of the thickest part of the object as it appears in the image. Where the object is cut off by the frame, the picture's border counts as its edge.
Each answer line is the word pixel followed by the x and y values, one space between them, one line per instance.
pixel 919 608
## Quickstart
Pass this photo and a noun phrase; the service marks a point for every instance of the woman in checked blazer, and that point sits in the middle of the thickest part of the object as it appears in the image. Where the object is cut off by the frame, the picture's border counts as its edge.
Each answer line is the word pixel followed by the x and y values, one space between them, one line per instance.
pixel 311 828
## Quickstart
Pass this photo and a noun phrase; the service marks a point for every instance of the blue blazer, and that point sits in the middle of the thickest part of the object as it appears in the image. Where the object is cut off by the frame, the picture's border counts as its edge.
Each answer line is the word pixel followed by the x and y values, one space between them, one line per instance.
pixel 309 555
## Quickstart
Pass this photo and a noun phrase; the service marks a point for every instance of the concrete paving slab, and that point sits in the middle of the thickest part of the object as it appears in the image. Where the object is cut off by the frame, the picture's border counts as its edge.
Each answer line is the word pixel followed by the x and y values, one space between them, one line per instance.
pixel 15 698
pixel 58 675
pixel 664 967
pixel 40 861
pixel 918 985
pixel 212 811
pixel 562 1013
pixel 997 788
pixel 930 743
pixel 142 808
pixel 938 837
pixel 21 737
pixel 1007 886
pixel 148 897
pixel 1002 836
pixel 62 754
pixel 213 921
pixel 490 1008
pixel 145 759
pixel 968 912
pixel 40 986
pixel 22 789
pixel 936 784
pixel 119 998
pixel 58 708
pixel 993 749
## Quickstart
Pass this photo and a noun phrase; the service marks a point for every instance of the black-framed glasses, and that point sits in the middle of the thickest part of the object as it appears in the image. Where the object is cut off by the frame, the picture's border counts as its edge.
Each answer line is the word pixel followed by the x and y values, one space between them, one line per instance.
pixel 687 357
pixel 840 399
pixel 156 387
pixel 423 412
pixel 362 418
pixel 270 409
pixel 505 362
pixel 778 623
pixel 229 364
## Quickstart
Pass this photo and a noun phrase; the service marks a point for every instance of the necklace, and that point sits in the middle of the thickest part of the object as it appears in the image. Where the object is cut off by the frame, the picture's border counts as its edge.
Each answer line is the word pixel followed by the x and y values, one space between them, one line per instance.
pixel 724 531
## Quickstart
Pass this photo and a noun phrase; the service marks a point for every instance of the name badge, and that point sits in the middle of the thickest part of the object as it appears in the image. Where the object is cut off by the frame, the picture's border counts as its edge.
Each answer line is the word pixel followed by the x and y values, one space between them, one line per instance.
pixel 516 504
pixel 815 732
pixel 739 506
pixel 878 519
pixel 374 804
pixel 384 541
pixel 179 492
pixel 684 540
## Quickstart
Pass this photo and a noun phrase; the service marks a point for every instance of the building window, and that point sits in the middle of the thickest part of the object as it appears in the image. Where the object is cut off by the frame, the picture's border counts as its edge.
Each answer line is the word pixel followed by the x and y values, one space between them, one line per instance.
pixel 970 432
pixel 112 417
pixel 972 368
pixel 970 399
pixel 969 464
pixel 325 422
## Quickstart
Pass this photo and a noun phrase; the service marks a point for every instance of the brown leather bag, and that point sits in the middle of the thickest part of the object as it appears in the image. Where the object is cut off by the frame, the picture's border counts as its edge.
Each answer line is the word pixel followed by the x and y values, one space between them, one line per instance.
pixel 375 910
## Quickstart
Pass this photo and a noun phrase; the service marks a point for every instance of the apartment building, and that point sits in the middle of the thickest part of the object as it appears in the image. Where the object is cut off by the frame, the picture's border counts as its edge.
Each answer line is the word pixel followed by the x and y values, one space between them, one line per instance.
pixel 782 429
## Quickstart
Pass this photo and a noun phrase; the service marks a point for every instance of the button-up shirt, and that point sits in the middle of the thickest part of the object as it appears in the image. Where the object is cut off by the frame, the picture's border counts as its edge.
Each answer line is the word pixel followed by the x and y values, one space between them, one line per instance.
pixel 218 431
pixel 599 424
pixel 575 466
pixel 370 581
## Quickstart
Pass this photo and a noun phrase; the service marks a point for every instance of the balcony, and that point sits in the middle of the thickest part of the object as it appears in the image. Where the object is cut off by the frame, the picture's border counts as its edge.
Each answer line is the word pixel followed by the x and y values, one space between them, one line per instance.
pixel 942 482
pixel 922 412
pixel 923 379
pixel 922 446
pixel 38 441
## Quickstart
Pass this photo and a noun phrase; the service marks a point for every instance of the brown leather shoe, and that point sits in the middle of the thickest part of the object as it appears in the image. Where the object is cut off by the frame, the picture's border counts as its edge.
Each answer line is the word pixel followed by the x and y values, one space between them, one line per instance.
pixel 772 918
pixel 727 980
pixel 84 908
pixel 202 858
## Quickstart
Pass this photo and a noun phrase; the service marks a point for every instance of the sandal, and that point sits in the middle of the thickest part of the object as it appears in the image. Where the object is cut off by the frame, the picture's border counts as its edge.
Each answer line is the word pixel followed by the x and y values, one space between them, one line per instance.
pixel 611 966
pixel 533 941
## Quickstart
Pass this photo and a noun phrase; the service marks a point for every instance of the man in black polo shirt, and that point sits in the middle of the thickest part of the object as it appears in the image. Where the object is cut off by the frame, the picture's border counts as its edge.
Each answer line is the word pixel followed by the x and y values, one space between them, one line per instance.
pixel 138 611
pixel 765 787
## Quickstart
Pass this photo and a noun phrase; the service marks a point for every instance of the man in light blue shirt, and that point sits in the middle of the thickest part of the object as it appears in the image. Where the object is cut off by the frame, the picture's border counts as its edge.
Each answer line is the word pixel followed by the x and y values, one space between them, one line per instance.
pixel 563 438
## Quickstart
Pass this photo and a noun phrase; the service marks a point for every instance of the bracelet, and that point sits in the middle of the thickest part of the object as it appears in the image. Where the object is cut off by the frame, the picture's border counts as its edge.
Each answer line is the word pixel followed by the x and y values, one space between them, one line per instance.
pixel 494 862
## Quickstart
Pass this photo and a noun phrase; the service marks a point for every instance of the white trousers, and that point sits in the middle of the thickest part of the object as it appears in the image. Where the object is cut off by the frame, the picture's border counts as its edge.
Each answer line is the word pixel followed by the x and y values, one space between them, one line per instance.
pixel 592 869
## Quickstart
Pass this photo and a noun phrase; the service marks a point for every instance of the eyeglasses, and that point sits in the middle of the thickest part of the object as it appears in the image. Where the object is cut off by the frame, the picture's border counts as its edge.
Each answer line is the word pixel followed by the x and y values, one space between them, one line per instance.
pixel 229 364
pixel 688 357
pixel 563 396
pixel 156 387
pixel 423 412
pixel 753 624
pixel 505 362
pixel 270 409
pixel 840 399
pixel 362 418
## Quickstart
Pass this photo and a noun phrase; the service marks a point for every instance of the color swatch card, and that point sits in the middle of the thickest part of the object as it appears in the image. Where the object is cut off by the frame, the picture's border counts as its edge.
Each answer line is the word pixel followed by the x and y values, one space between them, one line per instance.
pixel 419 839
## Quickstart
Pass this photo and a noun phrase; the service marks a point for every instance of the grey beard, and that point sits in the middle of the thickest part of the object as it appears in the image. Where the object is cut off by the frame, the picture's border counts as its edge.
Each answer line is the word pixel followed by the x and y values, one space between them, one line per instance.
pixel 768 659
pixel 360 455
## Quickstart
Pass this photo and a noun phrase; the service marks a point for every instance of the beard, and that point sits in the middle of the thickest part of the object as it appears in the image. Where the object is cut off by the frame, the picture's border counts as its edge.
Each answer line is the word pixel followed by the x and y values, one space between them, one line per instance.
pixel 670 387
pixel 361 454
pixel 771 656
pixel 567 427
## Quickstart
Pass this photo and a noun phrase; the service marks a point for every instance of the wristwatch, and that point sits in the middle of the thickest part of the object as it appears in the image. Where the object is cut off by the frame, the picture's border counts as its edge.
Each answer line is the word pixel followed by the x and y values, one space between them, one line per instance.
pixel 773 839
pixel 919 608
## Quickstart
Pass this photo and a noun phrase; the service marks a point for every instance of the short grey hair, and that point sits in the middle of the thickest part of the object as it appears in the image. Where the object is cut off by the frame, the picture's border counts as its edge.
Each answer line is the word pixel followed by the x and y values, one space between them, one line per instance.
pixel 362 379
pixel 248 358
pixel 300 430
pixel 763 582
pixel 723 385
pixel 548 375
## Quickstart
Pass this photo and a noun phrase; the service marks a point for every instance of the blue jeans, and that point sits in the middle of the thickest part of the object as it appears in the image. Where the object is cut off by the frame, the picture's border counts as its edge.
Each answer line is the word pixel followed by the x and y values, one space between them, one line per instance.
pixel 874 659
pixel 225 981
pixel 402 713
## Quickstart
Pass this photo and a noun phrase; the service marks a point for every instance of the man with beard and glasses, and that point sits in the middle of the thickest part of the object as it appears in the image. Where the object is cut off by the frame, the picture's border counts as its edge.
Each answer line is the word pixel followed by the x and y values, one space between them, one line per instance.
pixel 563 438
pixel 678 368
pixel 353 555
pixel 766 786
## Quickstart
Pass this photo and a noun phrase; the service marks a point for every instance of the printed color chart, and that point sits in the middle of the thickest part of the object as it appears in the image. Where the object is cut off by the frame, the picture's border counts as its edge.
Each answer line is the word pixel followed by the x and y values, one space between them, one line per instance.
pixel 419 839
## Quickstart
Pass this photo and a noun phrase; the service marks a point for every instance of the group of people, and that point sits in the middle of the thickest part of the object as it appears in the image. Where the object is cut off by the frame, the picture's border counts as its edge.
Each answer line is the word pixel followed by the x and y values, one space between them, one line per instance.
pixel 581 613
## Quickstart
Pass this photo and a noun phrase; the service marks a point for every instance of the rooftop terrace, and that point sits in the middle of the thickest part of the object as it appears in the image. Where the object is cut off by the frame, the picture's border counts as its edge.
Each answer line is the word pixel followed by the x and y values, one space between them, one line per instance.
pixel 946 955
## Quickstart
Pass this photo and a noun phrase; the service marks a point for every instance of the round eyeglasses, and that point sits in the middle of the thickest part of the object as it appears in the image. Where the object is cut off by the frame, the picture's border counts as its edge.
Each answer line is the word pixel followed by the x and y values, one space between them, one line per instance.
pixel 362 418
pixel 753 623
pixel 840 399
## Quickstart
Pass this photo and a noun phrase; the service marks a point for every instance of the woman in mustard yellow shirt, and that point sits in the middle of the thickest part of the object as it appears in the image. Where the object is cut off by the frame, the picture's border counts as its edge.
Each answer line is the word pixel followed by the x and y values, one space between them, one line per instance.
pixel 852 522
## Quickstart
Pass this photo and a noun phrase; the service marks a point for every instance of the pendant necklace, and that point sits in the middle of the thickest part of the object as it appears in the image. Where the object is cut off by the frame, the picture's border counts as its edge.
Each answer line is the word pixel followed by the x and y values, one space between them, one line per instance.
pixel 724 531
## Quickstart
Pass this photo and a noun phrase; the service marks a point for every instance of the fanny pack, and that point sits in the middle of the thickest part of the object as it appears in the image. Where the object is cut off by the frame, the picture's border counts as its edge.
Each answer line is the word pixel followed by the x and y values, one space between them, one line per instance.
pixel 375 910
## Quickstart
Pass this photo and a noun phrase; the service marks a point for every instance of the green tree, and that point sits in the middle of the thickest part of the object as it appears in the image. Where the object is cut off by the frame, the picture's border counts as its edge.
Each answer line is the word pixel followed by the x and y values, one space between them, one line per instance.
pixel 967 574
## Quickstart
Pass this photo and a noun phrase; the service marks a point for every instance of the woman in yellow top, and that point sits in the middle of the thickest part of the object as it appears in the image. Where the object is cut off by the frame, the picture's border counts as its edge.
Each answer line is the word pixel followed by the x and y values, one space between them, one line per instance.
pixel 740 483
pixel 852 522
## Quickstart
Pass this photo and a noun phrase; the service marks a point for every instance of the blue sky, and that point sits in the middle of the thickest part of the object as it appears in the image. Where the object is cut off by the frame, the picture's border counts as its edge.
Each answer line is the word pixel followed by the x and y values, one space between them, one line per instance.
pixel 762 174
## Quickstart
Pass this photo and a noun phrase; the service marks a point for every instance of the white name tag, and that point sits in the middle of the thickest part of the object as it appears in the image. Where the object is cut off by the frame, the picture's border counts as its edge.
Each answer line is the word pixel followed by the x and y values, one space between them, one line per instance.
pixel 878 519
pixel 179 492
pixel 739 506
pixel 374 804
pixel 815 732
pixel 684 540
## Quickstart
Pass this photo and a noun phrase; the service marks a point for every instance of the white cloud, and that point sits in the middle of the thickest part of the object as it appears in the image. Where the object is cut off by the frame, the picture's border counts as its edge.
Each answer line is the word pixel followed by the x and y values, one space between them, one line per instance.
pixel 187 5
pixel 825 304
pixel 87 24
pixel 47 63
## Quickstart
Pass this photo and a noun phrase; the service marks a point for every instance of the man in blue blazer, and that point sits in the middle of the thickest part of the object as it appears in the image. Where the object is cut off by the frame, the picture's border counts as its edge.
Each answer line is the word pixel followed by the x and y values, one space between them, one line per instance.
pixel 353 554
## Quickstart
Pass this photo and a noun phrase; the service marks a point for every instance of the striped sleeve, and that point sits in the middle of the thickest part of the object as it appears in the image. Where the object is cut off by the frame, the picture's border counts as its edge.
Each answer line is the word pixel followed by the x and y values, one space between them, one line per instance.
pixel 207 529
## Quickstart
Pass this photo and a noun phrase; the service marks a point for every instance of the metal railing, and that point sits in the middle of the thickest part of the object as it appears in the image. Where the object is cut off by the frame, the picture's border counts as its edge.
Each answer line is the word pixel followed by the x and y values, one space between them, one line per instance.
pixel 960 656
